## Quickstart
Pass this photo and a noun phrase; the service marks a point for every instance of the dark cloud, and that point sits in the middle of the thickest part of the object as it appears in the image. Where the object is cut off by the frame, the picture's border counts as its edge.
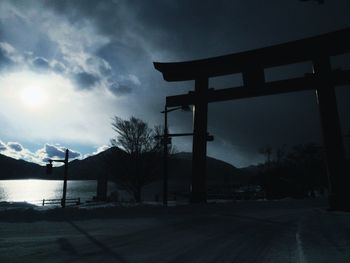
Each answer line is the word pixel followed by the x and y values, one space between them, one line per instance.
pixel 85 80
pixel 101 65
pixel 125 84
pixel 139 32
pixel 59 67
pixel 74 154
pixel 15 146
pixel 183 30
pixel 53 151
pixel 120 90
pixel 201 28
pixel 5 61
pixel 41 63
pixel 2 146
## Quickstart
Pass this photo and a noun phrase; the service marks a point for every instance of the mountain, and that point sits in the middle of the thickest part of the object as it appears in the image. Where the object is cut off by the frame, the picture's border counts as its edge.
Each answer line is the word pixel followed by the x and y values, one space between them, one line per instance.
pixel 179 167
pixel 91 168
pixel 219 172
pixel 18 169
pixel 94 166
pixel 221 176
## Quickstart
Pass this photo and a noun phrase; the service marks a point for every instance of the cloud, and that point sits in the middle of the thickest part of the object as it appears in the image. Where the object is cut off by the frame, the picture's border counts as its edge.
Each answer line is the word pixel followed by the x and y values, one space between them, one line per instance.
pixel 97 54
pixel 54 44
pixel 99 65
pixel 66 114
pixel 15 146
pixel 5 55
pixel 2 146
pixel 58 67
pixel 98 150
pixel 125 84
pixel 129 79
pixel 41 63
pixel 85 80
pixel 101 149
pixel 120 90
pixel 99 69
pixel 41 156
pixel 50 151
pixel 17 151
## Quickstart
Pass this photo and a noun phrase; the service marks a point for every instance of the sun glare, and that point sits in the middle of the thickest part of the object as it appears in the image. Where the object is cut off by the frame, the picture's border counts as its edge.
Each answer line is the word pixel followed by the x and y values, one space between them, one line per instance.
pixel 49 107
pixel 29 89
pixel 33 97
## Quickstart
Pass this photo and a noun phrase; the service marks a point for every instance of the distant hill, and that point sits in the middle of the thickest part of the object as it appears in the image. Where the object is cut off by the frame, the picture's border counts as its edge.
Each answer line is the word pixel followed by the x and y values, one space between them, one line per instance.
pixel 94 166
pixel 90 168
pixel 180 165
pixel 220 175
pixel 18 169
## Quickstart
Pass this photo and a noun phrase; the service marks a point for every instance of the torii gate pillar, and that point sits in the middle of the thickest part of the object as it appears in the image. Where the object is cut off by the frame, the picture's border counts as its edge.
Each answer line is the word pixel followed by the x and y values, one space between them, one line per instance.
pixel 199 150
pixel 332 136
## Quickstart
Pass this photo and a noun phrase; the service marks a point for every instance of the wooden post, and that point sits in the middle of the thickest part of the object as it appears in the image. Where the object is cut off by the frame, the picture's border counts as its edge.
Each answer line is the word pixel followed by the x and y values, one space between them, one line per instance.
pixel 199 184
pixel 332 136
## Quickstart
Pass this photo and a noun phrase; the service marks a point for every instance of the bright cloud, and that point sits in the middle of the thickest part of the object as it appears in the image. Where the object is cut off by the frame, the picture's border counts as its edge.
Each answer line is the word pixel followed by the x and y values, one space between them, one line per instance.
pixel 55 152
pixel 98 150
pixel 70 48
pixel 60 113
pixel 17 151
pixel 48 151
pixel 3 146
pixel 54 85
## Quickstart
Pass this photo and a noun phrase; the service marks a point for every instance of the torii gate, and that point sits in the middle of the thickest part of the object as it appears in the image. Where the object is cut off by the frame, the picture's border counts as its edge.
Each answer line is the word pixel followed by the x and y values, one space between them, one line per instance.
pixel 251 64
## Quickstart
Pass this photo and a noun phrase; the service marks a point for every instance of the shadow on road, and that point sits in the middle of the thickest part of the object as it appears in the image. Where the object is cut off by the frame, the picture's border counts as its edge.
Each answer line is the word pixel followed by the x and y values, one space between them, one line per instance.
pixel 67 246
pixel 99 244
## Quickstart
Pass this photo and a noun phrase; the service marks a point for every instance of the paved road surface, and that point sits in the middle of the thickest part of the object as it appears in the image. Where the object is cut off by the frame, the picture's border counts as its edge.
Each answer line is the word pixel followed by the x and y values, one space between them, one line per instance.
pixel 277 231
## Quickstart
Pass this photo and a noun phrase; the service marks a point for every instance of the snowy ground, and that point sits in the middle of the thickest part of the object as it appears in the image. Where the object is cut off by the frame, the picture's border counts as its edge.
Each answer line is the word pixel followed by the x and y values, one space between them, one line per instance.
pixel 276 231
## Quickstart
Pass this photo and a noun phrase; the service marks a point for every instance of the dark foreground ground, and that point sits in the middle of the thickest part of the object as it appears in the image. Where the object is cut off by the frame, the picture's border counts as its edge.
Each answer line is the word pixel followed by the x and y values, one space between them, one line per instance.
pixel 275 231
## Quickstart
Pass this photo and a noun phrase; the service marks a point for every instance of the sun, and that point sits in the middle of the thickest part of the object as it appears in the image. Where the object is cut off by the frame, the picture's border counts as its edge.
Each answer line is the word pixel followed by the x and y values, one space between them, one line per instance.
pixel 33 96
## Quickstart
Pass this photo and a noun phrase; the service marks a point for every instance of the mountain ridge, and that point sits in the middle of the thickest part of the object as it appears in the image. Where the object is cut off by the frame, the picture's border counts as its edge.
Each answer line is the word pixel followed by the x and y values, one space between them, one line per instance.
pixel 90 168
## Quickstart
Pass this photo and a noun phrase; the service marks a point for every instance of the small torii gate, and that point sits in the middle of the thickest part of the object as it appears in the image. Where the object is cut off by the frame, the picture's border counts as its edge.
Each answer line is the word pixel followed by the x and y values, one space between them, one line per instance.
pixel 251 64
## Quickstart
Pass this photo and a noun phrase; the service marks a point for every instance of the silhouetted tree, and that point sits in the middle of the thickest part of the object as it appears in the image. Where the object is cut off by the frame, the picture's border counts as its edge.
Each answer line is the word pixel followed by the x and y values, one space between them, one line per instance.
pixel 296 172
pixel 307 163
pixel 140 165
pixel 267 151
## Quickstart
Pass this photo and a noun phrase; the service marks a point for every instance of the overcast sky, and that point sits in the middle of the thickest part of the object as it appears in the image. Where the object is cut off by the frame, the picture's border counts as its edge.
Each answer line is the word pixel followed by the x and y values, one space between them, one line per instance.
pixel 67 67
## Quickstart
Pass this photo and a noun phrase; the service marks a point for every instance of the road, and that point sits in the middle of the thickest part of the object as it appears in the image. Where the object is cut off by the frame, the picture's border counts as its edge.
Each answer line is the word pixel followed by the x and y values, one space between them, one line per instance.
pixel 276 231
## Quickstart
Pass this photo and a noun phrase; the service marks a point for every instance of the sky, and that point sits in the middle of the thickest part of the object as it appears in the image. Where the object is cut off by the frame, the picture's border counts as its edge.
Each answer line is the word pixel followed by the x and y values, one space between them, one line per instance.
pixel 68 67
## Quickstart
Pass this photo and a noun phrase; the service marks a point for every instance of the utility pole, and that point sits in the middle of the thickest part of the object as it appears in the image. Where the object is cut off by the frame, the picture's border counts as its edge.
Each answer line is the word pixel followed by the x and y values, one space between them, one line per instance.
pixel 165 158
pixel 166 139
pixel 63 202
pixel 65 176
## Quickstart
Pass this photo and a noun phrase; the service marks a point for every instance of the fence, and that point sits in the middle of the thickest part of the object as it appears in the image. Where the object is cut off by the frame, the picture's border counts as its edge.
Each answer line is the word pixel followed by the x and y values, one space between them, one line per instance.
pixel 69 201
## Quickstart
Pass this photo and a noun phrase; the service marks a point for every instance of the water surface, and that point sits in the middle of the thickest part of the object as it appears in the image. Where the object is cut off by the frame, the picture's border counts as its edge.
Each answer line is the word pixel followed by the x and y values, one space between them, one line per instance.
pixel 34 190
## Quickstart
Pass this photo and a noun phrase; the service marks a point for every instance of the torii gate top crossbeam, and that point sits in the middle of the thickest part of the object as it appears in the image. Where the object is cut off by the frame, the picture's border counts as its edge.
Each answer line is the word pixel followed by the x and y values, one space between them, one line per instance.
pixel 331 44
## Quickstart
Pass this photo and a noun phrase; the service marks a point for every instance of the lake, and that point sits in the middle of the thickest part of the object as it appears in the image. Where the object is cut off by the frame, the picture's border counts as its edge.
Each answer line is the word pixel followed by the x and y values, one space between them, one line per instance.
pixel 34 191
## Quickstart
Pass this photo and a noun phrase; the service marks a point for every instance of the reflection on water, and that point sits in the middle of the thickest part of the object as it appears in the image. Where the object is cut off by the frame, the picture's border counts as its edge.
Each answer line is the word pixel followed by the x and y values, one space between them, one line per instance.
pixel 33 190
